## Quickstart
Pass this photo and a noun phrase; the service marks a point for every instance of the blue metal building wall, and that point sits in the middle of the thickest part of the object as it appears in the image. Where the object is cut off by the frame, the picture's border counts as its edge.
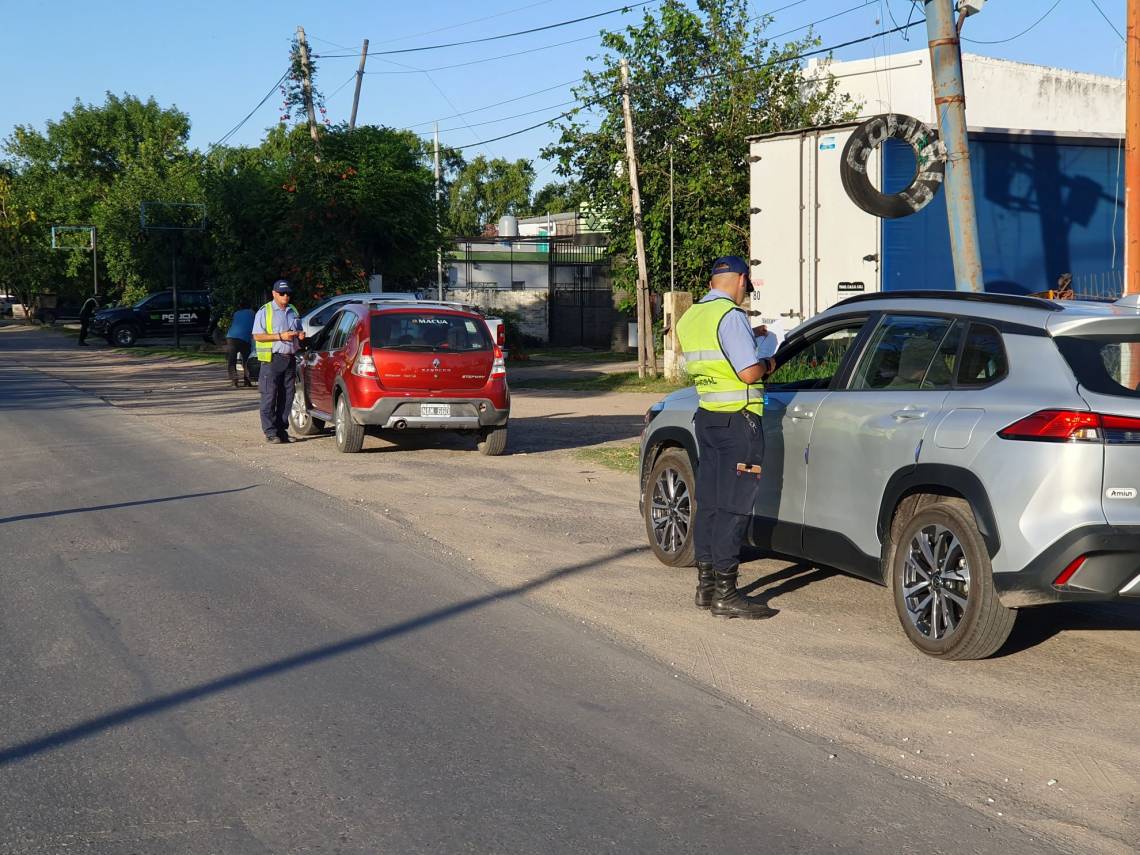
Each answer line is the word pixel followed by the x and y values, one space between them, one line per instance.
pixel 1045 207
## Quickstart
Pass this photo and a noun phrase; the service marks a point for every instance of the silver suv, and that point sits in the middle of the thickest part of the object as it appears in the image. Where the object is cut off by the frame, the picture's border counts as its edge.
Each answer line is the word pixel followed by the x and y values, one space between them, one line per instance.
pixel 974 453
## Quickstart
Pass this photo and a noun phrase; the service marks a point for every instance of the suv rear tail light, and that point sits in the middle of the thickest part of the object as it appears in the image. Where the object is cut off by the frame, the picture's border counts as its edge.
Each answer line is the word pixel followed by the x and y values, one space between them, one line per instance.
pixel 1075 426
pixel 1056 426
pixel 501 334
pixel 364 366
pixel 499 366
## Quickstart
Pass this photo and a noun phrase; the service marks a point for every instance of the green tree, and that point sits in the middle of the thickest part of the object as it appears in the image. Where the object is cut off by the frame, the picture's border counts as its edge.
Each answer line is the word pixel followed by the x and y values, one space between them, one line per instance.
pixel 703 79
pixel 367 206
pixel 484 190
pixel 94 166
pixel 557 197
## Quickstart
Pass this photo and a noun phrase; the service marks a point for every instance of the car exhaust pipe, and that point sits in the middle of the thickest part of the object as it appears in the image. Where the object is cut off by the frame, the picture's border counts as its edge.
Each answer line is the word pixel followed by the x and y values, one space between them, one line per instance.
pixel 401 424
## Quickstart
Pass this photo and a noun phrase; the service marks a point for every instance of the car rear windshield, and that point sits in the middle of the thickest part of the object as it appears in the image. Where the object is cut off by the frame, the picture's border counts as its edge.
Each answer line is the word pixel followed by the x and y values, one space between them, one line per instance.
pixel 429 332
pixel 1106 364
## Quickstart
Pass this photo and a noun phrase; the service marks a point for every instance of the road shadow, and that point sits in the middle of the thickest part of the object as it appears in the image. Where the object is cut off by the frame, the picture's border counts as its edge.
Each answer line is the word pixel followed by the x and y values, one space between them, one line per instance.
pixel 90 508
pixel 1038 624
pixel 785 581
pixel 92 726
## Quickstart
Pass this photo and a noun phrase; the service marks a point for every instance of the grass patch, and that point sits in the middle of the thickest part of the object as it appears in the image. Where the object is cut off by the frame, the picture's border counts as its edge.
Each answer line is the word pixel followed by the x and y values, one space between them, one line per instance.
pixel 618 381
pixel 573 355
pixel 623 458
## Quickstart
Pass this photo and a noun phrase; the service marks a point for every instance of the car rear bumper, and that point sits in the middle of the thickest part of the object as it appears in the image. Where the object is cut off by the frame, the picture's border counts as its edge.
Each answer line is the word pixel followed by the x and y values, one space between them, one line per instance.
pixel 1110 570
pixel 399 413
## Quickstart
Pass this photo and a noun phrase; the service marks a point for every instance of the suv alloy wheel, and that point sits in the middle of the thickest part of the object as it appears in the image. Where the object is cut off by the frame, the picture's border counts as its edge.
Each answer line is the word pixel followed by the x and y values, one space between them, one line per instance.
pixel 670 505
pixel 300 420
pixel 349 435
pixel 942 583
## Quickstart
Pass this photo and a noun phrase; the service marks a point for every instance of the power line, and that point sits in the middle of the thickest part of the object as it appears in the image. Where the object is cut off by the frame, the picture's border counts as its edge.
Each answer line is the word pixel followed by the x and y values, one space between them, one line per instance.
pixel 588 38
pixel 698 78
pixel 249 115
pixel 505 118
pixel 1048 12
pixel 499 103
pixel 1107 19
pixel 620 9
pixel 855 8
pixel 462 23
pixel 492 58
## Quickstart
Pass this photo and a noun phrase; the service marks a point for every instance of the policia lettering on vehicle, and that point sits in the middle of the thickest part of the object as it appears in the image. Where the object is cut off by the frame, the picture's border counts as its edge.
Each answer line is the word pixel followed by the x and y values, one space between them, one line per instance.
pixel 276 332
pixel 720 354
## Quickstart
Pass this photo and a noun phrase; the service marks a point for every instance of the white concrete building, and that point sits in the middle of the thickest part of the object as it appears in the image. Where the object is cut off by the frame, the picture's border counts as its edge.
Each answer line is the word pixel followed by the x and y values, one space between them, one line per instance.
pixel 999 93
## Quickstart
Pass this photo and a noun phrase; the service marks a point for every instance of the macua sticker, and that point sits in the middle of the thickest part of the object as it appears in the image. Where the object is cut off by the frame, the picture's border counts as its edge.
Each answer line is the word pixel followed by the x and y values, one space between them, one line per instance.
pixel 1120 493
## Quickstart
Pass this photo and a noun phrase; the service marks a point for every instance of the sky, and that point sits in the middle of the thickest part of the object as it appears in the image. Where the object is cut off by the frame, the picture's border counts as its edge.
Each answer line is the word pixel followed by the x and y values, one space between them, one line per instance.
pixel 217 60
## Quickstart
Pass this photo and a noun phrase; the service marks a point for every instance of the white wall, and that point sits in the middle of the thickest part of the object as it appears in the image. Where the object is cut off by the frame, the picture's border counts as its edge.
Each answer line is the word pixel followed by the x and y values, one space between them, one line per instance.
pixel 500 275
pixel 999 93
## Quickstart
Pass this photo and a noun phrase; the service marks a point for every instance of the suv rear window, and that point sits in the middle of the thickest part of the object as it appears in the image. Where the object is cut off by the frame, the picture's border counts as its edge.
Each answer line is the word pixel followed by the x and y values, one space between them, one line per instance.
pixel 429 331
pixel 1102 364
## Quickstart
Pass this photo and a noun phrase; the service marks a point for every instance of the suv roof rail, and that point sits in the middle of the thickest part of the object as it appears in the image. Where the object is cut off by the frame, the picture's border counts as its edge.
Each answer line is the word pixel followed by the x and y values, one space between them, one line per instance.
pixel 968 296
pixel 466 307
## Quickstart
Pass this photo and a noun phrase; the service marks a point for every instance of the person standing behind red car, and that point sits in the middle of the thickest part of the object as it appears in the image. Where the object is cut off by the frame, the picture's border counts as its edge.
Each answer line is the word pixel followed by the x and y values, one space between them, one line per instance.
pixel 277 332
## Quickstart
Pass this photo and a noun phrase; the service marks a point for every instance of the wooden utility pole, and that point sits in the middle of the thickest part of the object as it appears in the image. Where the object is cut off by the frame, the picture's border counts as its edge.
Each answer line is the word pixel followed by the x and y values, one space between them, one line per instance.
pixel 646 352
pixel 359 80
pixel 307 82
pixel 439 252
pixel 1132 152
pixel 1130 357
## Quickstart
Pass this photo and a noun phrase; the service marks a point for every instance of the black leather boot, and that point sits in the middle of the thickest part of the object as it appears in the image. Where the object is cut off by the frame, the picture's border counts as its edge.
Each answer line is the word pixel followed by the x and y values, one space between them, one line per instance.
pixel 706 580
pixel 730 603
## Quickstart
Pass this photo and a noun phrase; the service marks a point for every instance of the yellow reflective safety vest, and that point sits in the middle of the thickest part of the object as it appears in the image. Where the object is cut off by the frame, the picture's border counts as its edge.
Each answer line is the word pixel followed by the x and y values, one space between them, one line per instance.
pixel 265 348
pixel 718 387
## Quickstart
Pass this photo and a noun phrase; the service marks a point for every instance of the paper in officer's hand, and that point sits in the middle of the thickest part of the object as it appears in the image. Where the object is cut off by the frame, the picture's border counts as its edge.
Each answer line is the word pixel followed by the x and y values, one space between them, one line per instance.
pixel 768 344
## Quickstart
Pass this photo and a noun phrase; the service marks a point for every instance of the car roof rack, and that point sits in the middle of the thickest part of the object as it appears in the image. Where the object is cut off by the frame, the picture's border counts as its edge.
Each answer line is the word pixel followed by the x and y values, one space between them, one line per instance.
pixel 967 296
pixel 466 307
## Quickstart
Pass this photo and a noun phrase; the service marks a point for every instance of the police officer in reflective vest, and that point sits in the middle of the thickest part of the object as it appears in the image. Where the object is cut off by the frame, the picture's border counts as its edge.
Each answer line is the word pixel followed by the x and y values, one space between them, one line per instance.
pixel 720 355
pixel 276 332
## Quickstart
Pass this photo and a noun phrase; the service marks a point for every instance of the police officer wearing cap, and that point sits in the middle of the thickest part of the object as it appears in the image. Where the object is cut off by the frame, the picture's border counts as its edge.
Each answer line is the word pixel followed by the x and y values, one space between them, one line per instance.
pixel 720 355
pixel 277 332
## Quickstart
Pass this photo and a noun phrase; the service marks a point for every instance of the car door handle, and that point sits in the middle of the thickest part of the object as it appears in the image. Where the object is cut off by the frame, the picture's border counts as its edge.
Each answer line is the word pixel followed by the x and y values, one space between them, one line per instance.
pixel 801 413
pixel 907 414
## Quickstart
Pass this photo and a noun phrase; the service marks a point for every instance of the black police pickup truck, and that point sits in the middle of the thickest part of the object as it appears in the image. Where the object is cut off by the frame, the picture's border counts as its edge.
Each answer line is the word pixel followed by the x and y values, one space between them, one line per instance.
pixel 123 326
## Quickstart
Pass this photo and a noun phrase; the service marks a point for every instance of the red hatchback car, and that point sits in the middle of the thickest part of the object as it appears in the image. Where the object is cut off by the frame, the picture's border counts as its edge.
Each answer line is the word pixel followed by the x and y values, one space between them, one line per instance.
pixel 399 366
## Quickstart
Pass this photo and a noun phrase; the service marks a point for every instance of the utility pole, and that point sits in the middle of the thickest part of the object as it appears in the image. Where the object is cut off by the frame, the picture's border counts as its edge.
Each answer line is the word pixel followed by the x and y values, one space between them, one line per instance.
pixel 439 231
pixel 95 259
pixel 1130 356
pixel 672 278
pixel 646 352
pixel 359 80
pixel 307 82
pixel 950 104
pixel 1132 152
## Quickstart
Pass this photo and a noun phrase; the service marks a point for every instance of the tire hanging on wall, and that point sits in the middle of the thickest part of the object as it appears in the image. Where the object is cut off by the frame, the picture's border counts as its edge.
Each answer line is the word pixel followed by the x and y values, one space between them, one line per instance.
pixel 930 164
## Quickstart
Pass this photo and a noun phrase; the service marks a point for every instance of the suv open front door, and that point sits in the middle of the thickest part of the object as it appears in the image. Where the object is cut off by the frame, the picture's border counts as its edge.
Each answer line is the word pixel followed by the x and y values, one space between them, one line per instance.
pixel 793 394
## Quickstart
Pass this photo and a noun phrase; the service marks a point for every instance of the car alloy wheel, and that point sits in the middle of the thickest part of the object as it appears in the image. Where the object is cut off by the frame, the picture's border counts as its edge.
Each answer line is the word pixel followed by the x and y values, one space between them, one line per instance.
pixel 936 582
pixel 670 510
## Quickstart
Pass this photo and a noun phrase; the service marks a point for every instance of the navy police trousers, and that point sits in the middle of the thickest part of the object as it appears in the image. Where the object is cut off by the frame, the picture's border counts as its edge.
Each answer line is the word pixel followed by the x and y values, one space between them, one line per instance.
pixel 725 500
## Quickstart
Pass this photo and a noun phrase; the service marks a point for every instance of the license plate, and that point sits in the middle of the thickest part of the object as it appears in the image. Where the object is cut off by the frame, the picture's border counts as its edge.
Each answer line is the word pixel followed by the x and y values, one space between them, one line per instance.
pixel 435 410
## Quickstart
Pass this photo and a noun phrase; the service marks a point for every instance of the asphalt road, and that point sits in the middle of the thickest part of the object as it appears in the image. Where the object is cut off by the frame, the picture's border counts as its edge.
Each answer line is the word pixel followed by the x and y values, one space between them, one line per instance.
pixel 198 657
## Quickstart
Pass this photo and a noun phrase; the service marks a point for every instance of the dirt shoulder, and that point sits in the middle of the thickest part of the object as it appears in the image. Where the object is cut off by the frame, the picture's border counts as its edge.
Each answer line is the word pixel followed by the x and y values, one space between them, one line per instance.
pixel 1043 736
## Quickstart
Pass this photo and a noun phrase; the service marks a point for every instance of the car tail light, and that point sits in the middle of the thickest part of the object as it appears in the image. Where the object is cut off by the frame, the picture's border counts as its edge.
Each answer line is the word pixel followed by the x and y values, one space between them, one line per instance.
pixel 1068 573
pixel 1057 426
pixel 499 366
pixel 501 334
pixel 364 366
